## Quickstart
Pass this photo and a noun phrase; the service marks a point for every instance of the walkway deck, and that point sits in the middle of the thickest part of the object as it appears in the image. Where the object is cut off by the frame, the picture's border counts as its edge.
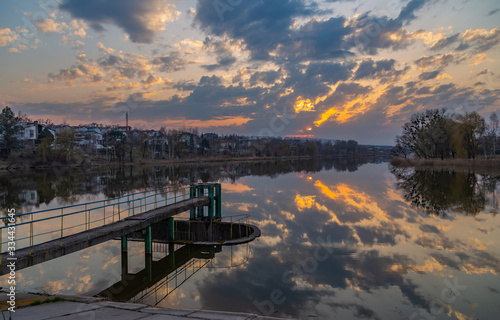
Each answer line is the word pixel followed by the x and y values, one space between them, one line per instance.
pixel 56 248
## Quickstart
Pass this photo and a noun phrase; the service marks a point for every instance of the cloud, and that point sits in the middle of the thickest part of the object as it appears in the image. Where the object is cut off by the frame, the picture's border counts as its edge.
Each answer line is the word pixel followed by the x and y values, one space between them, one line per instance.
pixel 286 40
pixel 384 70
pixel 223 52
pixel 49 25
pixel 478 40
pixel 440 61
pixel 141 20
pixel 261 25
pixel 7 36
pixel 492 12
pixel 171 62
pixel 408 12
pixel 429 75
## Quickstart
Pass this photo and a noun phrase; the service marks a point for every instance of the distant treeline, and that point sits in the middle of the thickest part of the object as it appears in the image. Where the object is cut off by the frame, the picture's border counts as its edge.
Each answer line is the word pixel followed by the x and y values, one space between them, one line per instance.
pixel 436 134
pixel 46 143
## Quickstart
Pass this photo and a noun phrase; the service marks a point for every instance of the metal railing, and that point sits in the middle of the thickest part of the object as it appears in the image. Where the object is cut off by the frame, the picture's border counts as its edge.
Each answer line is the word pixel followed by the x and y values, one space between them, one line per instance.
pixel 38 226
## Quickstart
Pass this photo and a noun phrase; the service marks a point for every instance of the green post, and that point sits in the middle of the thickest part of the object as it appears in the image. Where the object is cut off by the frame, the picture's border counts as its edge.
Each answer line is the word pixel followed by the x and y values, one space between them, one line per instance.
pixel 211 204
pixel 171 229
pixel 218 207
pixel 200 193
pixel 192 194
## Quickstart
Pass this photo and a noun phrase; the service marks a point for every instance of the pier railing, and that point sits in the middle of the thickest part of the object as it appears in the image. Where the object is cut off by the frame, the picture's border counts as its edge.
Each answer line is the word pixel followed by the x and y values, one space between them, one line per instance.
pixel 33 228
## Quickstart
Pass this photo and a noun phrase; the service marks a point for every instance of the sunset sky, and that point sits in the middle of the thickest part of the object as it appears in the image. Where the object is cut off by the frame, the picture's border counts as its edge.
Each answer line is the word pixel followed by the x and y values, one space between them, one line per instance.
pixel 333 69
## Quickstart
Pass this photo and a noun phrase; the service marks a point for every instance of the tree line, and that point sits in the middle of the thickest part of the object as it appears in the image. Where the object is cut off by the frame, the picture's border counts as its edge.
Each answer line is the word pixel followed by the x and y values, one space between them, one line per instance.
pixel 120 145
pixel 436 134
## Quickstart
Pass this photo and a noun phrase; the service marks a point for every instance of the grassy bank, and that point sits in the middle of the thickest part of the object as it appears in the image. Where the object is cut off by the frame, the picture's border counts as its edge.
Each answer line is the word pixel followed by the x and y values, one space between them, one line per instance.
pixel 480 164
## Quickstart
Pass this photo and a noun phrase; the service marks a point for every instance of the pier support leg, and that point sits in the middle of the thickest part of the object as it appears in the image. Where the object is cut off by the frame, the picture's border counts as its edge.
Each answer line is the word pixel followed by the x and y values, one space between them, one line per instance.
pixel 171 254
pixel 200 193
pixel 211 204
pixel 148 240
pixel 124 256
pixel 192 194
pixel 148 250
pixel 218 202
pixel 171 229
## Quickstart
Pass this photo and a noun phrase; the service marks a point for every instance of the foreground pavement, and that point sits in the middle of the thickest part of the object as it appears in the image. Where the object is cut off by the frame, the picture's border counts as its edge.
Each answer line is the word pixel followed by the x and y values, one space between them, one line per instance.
pixel 83 308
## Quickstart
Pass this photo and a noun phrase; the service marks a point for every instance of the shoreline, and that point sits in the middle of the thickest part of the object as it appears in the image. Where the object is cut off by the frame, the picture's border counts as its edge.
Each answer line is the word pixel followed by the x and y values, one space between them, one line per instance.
pixel 489 165
pixel 26 164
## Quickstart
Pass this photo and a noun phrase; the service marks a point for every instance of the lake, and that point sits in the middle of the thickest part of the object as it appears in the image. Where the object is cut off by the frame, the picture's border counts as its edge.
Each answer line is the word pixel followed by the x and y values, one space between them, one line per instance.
pixel 340 239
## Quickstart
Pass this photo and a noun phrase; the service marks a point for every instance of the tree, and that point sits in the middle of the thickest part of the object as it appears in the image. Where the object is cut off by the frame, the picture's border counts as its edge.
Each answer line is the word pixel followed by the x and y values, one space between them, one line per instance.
pixel 470 129
pixel 10 128
pixel 311 148
pixel 117 140
pixel 66 143
pixel 493 130
pixel 44 141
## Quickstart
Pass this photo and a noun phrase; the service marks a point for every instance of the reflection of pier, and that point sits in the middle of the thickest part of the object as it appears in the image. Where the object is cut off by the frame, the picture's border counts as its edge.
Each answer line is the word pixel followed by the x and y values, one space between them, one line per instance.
pixel 157 274
pixel 120 217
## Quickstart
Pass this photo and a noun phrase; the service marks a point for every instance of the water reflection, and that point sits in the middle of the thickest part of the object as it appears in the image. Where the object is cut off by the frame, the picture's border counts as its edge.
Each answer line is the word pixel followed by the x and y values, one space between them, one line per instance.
pixel 441 192
pixel 26 191
pixel 157 275
pixel 334 244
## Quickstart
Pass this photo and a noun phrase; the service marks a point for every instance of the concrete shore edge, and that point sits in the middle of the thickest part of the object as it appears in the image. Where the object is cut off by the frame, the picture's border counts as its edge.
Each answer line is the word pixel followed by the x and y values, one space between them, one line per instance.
pixel 92 308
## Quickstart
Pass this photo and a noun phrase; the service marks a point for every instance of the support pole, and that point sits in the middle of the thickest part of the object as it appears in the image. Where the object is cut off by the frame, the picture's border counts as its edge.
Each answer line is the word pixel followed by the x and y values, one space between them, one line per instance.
pixel 211 204
pixel 124 256
pixel 148 240
pixel 171 229
pixel 218 203
pixel 148 252
pixel 192 194
pixel 200 193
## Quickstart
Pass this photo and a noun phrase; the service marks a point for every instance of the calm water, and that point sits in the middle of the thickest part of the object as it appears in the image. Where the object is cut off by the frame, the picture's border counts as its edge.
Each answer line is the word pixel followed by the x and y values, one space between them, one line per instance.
pixel 339 240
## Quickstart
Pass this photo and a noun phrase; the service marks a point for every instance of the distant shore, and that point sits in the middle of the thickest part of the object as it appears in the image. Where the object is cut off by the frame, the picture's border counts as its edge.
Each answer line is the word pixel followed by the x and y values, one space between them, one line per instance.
pixel 480 164
pixel 24 163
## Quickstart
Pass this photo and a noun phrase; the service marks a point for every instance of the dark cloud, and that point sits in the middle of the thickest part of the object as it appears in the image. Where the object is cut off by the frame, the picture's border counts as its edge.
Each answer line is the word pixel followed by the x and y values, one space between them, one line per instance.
pixel 222 50
pixel 408 12
pixel 110 60
pixel 429 75
pixel 171 62
pixel 445 260
pixel 266 77
pixel 440 61
pixel 330 73
pixel 445 42
pixel 492 12
pixel 384 70
pixel 316 40
pixel 141 20
pixel 262 25
pixel 268 27
pixel 429 228
pixel 210 81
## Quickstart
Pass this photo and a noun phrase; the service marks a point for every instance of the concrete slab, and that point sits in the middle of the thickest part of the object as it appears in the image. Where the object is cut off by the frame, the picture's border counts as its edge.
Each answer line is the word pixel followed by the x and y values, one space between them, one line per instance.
pixel 122 305
pixel 53 310
pixel 213 315
pixel 172 312
pixel 104 314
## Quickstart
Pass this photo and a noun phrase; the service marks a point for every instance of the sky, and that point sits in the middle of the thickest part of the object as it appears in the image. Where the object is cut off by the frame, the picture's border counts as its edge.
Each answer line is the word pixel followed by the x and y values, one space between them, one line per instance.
pixel 334 69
